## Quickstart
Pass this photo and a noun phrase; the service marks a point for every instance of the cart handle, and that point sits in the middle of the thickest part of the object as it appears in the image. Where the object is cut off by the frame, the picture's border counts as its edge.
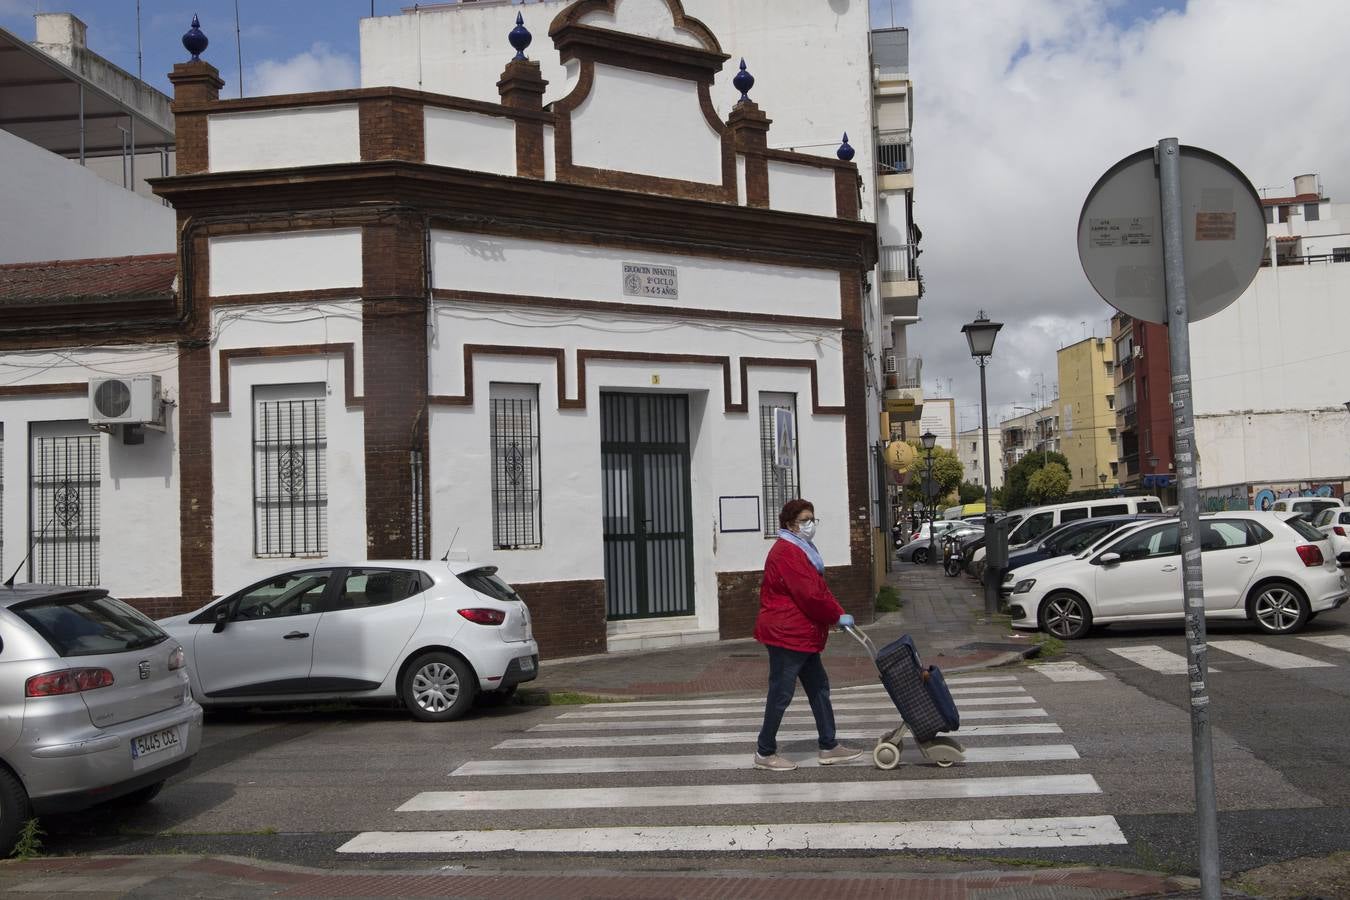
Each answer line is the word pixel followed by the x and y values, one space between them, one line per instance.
pixel 862 638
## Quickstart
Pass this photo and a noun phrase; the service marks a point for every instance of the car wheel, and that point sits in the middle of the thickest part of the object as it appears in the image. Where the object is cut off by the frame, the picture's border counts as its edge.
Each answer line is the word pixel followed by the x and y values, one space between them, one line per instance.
pixel 14 810
pixel 438 687
pixel 920 557
pixel 1066 616
pixel 1279 608
pixel 140 795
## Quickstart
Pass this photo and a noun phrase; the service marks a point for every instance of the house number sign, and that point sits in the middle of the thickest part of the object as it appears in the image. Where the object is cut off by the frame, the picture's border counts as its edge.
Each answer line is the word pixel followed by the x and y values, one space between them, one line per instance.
pixel 643 280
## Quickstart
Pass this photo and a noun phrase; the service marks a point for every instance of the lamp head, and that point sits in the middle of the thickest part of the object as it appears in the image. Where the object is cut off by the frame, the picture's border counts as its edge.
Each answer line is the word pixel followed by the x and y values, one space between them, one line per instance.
pixel 980 335
pixel 928 439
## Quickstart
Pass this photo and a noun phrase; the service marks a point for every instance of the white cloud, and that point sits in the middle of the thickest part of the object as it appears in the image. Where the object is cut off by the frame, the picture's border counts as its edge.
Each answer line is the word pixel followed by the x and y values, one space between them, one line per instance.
pixel 1020 107
pixel 319 68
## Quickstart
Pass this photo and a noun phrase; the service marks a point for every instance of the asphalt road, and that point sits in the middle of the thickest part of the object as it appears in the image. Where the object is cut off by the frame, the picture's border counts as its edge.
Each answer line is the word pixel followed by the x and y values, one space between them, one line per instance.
pixel 297 785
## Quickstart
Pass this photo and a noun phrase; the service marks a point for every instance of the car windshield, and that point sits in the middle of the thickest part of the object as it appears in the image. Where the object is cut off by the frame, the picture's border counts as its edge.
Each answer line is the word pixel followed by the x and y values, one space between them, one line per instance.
pixel 1305 531
pixel 89 624
pixel 485 581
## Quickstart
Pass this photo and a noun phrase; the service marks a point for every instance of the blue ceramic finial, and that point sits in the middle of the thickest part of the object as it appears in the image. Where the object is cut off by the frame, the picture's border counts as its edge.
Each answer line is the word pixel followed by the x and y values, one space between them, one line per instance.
pixel 194 41
pixel 845 152
pixel 520 37
pixel 743 82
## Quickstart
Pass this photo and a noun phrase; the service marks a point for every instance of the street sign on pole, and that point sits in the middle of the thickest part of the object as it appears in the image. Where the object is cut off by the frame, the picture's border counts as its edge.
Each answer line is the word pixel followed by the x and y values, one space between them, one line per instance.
pixel 1174 234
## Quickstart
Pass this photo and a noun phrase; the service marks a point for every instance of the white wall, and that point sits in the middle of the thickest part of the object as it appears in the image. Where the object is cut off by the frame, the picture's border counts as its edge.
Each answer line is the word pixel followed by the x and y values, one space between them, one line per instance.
pixel 138 501
pixel 466 140
pixel 295 261
pixel 802 189
pixel 1298 445
pixel 283 138
pixel 52 208
pixel 502 265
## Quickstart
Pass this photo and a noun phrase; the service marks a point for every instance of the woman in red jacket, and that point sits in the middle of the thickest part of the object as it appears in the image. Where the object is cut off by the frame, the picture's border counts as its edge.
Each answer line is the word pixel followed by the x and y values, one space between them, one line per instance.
pixel 796 612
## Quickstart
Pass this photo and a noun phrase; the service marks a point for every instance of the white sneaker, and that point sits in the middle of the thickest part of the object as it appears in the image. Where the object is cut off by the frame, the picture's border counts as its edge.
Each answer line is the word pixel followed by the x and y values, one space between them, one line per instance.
pixel 774 763
pixel 839 754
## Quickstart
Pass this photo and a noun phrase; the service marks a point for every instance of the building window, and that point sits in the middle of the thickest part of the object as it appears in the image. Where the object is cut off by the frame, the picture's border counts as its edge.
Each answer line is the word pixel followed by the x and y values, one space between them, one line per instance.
pixel 1284 213
pixel 1340 254
pixel 1110 401
pixel 290 474
pixel 65 509
pixel 1270 215
pixel 517 521
pixel 778 455
pixel 1115 469
pixel 1111 434
pixel 1311 212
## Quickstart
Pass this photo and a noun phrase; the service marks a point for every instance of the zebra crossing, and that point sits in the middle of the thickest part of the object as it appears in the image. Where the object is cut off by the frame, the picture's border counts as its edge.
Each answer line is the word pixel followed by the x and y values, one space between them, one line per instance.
pixel 574 799
pixel 1167 662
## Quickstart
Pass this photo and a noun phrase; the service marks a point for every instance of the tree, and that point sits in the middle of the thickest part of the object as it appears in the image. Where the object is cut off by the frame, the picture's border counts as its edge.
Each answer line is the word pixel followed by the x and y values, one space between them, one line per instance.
pixel 947 472
pixel 1015 494
pixel 971 493
pixel 1048 484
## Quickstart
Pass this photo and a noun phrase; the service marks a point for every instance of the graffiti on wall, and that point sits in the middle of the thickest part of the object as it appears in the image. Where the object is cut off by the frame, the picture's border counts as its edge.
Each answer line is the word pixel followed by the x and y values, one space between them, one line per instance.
pixel 1263 496
pixel 1223 499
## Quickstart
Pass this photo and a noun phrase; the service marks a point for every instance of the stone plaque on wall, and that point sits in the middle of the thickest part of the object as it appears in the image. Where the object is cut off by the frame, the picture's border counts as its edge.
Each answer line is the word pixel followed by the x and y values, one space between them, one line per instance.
pixel 644 280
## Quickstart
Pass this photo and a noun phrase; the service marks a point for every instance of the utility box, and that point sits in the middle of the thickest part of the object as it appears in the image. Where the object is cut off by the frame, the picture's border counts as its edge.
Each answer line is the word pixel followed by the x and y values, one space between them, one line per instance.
pixel 996 544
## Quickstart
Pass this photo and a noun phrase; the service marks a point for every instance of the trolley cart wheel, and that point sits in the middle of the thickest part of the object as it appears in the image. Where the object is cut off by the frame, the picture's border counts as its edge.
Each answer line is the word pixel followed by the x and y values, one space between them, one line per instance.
pixel 886 755
pixel 943 751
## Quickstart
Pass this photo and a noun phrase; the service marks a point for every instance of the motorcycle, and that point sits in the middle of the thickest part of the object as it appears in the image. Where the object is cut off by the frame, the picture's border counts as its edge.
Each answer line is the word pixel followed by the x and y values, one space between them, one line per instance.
pixel 951 555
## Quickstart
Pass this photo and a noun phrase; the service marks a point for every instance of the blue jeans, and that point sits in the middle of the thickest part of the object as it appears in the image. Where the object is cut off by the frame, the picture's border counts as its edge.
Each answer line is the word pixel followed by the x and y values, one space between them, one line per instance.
pixel 785 668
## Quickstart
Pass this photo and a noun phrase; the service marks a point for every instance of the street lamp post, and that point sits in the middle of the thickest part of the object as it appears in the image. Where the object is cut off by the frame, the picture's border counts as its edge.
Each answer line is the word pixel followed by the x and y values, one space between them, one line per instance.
pixel 1101 478
pixel 929 440
pixel 980 336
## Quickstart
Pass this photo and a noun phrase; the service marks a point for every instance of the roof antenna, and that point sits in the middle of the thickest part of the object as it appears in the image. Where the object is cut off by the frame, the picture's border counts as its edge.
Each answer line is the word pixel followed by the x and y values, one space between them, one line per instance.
pixel 9 582
pixel 446 557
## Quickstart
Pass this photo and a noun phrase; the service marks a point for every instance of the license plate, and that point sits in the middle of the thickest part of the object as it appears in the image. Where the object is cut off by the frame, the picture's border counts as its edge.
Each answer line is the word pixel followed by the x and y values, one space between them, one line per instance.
pixel 527 664
pixel 155 742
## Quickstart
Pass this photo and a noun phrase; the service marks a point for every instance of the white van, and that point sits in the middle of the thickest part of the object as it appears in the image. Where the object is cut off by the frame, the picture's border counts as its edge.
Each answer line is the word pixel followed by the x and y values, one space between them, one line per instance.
pixel 1308 507
pixel 1037 520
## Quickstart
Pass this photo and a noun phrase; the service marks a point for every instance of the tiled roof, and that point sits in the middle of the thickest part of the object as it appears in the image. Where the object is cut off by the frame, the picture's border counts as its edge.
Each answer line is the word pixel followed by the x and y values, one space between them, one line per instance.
pixel 1300 198
pixel 150 277
pixel 1282 238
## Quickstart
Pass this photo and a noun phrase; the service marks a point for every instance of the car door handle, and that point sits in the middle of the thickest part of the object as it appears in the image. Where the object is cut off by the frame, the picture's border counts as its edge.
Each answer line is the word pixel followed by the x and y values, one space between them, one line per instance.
pixel 294 635
pixel 1245 559
pixel 1169 568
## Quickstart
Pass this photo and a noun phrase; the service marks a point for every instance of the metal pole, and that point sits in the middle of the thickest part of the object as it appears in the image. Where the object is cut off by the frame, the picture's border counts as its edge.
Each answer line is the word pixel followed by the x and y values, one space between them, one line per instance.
pixel 990 585
pixel 1188 495
pixel 932 505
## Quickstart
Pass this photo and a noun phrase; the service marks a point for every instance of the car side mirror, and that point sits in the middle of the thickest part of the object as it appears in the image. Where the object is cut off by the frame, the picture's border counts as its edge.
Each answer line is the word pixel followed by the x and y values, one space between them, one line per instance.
pixel 221 615
pixel 1108 559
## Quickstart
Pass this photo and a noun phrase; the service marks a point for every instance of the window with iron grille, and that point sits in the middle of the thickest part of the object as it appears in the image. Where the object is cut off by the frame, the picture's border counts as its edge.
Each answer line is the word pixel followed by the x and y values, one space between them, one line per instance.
pixel 516 520
pixel 64 519
pixel 290 475
pixel 418 525
pixel 780 483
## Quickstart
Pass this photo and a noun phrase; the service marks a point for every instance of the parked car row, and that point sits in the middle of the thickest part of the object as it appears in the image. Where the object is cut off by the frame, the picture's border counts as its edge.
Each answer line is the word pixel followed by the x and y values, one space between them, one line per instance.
pixel 98 703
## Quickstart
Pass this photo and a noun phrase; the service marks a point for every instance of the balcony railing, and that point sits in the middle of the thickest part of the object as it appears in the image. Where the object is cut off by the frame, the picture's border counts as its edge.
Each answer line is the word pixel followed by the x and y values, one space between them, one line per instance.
pixel 895 153
pixel 1129 416
pixel 898 262
pixel 902 371
pixel 1126 368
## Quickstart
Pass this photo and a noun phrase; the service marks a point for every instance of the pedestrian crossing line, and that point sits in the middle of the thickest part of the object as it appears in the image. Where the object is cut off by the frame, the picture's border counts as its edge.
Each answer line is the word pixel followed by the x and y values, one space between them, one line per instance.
pixel 967 834
pixel 748 737
pixel 1067 671
pixel 608 712
pixel 721 795
pixel 1268 656
pixel 639 724
pixel 1334 641
pixel 1151 656
pixel 710 762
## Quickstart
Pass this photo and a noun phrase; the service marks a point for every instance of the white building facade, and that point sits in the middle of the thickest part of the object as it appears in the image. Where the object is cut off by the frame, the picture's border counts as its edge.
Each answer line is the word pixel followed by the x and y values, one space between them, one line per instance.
pixel 970 450
pixel 595 347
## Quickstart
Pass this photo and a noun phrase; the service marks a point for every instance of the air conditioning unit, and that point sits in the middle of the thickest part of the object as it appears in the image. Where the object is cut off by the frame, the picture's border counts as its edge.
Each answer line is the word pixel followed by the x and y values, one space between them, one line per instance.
pixel 1138 353
pixel 126 400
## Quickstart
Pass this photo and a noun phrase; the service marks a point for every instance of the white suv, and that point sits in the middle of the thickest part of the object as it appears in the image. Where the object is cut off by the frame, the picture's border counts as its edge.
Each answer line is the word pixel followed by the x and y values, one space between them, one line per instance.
pixel 1275 571
pixel 432 635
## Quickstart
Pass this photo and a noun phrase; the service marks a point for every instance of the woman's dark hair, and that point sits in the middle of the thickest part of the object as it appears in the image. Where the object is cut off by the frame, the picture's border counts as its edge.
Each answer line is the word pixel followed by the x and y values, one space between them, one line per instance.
pixel 791 510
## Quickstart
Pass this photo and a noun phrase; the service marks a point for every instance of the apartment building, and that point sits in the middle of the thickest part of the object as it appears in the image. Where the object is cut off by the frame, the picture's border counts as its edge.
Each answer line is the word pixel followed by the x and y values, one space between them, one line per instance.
pixel 1087 426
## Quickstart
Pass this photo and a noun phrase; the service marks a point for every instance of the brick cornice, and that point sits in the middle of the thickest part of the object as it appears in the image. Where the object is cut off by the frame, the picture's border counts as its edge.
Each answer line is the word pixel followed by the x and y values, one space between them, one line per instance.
pixel 634 309
pixel 480 200
pixel 63 389
pixel 584 356
pixel 345 350
pixel 354 96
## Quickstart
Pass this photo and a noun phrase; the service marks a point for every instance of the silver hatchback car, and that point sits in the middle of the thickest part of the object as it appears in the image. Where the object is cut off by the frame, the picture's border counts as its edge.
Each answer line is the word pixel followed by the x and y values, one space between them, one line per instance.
pixel 94 704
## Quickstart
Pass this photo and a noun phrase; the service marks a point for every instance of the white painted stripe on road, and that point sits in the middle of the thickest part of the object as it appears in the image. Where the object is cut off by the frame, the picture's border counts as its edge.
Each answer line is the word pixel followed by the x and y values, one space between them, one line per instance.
pixel 1151 656
pixel 890 721
pixel 709 762
pixel 798 705
pixel 969 834
pixel 793 792
pixel 747 737
pixel 1268 656
pixel 1334 641
pixel 1068 671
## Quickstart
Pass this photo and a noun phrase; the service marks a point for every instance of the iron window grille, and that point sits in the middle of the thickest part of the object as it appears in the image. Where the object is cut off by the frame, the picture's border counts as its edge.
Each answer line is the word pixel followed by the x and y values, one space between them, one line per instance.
pixel 780 484
pixel 516 496
pixel 65 523
pixel 417 511
pixel 290 479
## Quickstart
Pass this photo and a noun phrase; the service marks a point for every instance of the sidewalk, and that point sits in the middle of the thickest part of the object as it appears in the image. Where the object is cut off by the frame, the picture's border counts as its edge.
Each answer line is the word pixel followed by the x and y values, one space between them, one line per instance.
pixel 944 615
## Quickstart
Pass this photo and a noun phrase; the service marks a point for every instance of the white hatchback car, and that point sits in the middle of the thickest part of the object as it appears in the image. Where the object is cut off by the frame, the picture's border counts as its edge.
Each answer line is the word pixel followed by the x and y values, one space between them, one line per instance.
pixel 1334 522
pixel 1276 571
pixel 432 635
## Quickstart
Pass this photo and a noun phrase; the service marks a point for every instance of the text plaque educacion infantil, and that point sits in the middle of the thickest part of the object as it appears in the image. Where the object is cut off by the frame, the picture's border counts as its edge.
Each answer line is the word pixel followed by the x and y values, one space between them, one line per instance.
pixel 644 280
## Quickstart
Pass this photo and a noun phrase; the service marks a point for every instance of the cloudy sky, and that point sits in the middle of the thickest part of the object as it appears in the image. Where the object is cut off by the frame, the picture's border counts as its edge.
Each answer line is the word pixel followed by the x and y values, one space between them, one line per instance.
pixel 1020 107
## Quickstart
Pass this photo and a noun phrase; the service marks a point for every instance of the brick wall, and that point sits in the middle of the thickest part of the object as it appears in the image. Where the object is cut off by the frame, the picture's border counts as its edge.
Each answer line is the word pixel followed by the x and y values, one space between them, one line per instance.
pixel 569 616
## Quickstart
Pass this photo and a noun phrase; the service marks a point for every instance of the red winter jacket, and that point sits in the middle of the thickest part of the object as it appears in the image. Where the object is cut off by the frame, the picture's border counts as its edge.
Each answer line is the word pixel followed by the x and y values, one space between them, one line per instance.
pixel 796 608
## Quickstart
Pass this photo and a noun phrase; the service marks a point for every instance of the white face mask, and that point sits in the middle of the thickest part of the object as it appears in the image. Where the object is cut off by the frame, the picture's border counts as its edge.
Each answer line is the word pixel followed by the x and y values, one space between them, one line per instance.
pixel 807 529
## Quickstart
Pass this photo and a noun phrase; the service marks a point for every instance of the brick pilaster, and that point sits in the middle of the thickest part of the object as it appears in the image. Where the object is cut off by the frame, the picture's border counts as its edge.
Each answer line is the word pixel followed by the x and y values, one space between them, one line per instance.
pixel 750 138
pixel 522 87
pixel 194 83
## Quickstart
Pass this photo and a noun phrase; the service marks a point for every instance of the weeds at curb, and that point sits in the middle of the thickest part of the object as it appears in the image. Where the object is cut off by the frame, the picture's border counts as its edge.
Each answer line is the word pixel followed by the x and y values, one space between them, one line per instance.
pixel 29 844
pixel 888 599
pixel 1050 646
pixel 560 698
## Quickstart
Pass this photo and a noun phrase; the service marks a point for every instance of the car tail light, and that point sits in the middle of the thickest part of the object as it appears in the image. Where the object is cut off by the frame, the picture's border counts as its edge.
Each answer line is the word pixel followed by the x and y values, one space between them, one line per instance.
pixel 1311 554
pixel 67 681
pixel 484 616
pixel 914 536
pixel 1339 530
pixel 177 659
